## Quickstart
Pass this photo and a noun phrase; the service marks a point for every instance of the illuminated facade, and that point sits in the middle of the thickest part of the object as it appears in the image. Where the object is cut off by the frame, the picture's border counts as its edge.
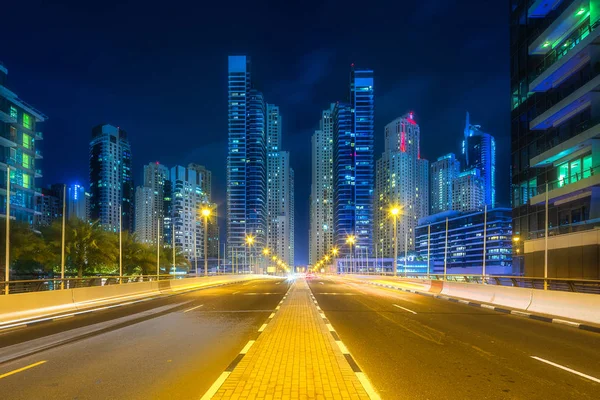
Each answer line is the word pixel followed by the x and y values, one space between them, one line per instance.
pixel 479 151
pixel 280 237
pixel 150 215
pixel 554 136
pixel 111 183
pixel 246 160
pixel 78 202
pixel 19 137
pixel 468 191
pixel 353 165
pixel 442 175
pixel 321 196
pixel 188 200
pixel 465 242
pixel 402 180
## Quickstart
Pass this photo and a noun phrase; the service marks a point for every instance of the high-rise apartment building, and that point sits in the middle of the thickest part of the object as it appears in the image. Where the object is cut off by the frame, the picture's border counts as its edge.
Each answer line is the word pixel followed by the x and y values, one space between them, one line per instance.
pixel 468 191
pixel 19 137
pixel 77 202
pixel 321 195
pixel 479 151
pixel 443 172
pixel 150 215
pixel 49 206
pixel 246 160
pixel 205 178
pixel 402 181
pixel 353 165
pixel 554 83
pixel 111 182
pixel 188 200
pixel 280 203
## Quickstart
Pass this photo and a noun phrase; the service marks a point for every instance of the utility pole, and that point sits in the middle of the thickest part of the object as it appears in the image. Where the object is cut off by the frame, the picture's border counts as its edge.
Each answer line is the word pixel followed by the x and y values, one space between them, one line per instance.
pixel 484 243
pixel 62 244
pixel 7 250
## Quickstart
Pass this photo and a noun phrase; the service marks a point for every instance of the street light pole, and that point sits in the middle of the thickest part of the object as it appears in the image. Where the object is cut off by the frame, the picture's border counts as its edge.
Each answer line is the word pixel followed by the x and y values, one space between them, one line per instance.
pixel 395 261
pixel 484 243
pixel 195 250
pixel 205 244
pixel 158 248
pixel 405 252
pixel 120 242
pixel 428 248
pixel 446 250
pixel 546 244
pixel 62 244
pixel 7 250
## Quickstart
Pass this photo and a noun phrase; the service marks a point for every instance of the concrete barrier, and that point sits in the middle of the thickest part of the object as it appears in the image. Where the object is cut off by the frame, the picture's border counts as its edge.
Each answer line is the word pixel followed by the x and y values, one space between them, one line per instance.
pixel 24 306
pixel 468 291
pixel 579 306
pixel 28 305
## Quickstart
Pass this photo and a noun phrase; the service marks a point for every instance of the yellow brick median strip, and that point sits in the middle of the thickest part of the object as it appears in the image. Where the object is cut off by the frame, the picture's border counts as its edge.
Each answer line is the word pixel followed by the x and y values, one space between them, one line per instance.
pixel 295 357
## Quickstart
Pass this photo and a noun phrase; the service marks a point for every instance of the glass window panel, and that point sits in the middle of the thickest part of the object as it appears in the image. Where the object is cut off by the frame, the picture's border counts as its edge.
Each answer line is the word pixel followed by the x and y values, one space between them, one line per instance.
pixel 26 121
pixel 587 166
pixel 575 171
pixel 563 173
pixel 26 141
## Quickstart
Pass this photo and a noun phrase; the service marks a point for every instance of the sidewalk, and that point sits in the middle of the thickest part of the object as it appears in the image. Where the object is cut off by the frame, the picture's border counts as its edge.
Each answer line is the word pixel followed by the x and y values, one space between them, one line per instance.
pixel 294 358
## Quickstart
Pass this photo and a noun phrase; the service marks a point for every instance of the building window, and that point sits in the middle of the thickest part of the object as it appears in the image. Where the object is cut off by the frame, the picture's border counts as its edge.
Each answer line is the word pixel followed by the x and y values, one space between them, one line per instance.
pixel 26 181
pixel 26 141
pixel 587 166
pixel 26 121
pixel 563 173
pixel 13 112
pixel 26 161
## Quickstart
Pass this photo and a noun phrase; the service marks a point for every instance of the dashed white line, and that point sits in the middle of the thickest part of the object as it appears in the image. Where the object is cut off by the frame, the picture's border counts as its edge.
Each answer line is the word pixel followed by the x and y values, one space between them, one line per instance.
pixel 247 347
pixel 330 327
pixel 367 386
pixel 272 315
pixel 321 283
pixel 591 378
pixel 405 309
pixel 235 292
pixel 193 308
pixel 342 347
pixel 215 386
pixel 564 322
pixel 262 328
pixel 488 306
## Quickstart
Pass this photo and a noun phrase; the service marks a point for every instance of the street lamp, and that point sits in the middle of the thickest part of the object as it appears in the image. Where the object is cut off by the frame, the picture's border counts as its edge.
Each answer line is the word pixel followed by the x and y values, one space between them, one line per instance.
pixel 250 242
pixel 266 253
pixel 350 239
pixel 395 211
pixel 205 213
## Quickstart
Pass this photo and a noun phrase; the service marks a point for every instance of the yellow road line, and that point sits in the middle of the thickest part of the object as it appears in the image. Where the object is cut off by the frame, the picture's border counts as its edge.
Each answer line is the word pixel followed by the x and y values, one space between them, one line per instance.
pixel 16 371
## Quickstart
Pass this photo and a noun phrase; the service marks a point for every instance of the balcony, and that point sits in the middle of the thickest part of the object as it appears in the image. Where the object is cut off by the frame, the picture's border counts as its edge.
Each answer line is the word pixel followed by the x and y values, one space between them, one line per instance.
pixel 567 106
pixel 562 61
pixel 569 188
pixel 563 26
pixel 38 173
pixel 39 136
pixel 541 8
pixel 4 117
pixel 583 136
pixel 38 155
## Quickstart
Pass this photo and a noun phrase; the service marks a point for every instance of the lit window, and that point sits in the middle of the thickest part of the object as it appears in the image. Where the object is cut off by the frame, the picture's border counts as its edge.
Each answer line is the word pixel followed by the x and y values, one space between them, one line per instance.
pixel 26 181
pixel 26 121
pixel 26 141
pixel 26 161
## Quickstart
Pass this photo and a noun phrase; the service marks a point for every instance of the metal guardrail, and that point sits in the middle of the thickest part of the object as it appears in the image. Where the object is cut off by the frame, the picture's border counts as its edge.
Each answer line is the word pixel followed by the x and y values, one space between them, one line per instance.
pixel 48 284
pixel 564 285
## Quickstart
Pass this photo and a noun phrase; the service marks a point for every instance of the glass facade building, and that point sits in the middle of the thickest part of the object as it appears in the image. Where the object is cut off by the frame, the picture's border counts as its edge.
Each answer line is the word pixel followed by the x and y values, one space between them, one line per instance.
pixel 354 167
pixel 111 183
pixel 479 151
pixel 555 110
pixel 464 252
pixel 19 138
pixel 443 173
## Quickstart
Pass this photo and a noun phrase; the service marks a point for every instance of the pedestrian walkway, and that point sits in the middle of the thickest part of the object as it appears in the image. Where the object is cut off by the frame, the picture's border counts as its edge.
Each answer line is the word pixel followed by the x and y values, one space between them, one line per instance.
pixel 294 358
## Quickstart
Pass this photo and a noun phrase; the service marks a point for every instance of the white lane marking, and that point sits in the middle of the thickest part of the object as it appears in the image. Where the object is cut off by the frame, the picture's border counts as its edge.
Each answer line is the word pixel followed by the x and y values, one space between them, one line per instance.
pixel 405 309
pixel 247 347
pixel 591 378
pixel 367 386
pixel 215 386
pixel 330 327
pixel 235 292
pixel 277 308
pixel 272 315
pixel 262 328
pixel 338 294
pixel 342 347
pixel 63 317
pixel 565 322
pixel 193 308
pixel 322 315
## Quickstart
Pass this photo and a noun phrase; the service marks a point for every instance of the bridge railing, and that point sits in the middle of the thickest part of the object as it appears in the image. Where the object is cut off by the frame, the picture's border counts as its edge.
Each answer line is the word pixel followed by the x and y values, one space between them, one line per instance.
pixel 558 284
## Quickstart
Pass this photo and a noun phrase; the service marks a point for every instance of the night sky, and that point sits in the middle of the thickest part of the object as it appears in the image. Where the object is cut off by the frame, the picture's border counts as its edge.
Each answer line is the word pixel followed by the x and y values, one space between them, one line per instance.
pixel 159 70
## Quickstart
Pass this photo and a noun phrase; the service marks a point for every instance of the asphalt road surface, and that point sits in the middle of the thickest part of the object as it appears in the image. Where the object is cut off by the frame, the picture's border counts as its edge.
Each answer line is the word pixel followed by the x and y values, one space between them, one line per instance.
pixel 168 348
pixel 417 347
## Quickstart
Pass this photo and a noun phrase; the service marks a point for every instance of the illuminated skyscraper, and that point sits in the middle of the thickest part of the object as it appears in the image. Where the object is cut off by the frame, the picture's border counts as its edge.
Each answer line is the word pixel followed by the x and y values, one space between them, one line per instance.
pixel 19 137
pixel 479 151
pixel 111 183
pixel 353 165
pixel 443 173
pixel 321 196
pixel 280 236
pixel 403 181
pixel 246 160
pixel 151 214
pixel 468 191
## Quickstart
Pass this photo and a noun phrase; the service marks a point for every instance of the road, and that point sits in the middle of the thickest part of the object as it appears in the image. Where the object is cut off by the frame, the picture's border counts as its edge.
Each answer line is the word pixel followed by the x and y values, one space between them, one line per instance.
pixel 417 347
pixel 168 348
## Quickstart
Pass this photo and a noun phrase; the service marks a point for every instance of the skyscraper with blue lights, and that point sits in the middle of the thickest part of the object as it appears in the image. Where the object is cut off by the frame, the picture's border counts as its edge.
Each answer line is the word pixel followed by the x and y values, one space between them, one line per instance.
pixel 354 164
pixel 479 151
pixel 246 159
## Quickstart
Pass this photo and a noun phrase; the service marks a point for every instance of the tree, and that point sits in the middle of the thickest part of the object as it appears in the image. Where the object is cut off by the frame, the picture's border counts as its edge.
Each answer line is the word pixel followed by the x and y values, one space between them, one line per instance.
pixel 29 253
pixel 166 259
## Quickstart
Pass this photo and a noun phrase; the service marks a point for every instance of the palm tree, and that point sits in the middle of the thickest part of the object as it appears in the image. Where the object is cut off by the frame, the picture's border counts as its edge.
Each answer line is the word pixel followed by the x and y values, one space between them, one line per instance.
pixel 166 258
